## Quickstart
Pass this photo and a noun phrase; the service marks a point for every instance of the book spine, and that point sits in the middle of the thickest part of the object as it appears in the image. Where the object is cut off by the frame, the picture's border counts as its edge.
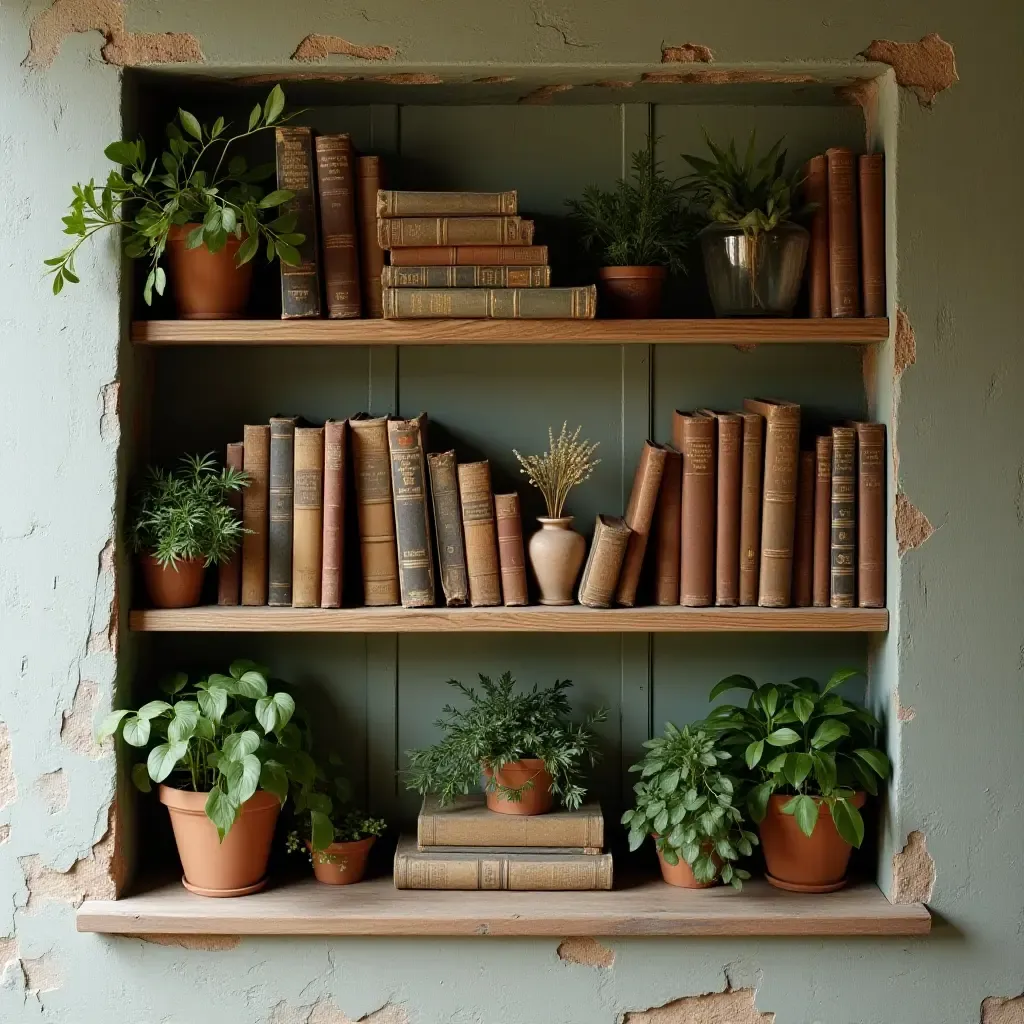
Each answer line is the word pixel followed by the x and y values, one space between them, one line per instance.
pixel 481 537
pixel 511 553
pixel 695 437
pixel 279 542
pixel 497 303
pixel 256 461
pixel 803 544
pixel 871 515
pixel 844 544
pixel 750 508
pixel 300 286
pixel 412 517
pixel 446 204
pixel 229 572
pixel 369 171
pixel 516 872
pixel 844 267
pixel 451 550
pixel 376 515
pixel 469 255
pixel 485 851
pixel 336 185
pixel 604 562
pixel 400 232
pixel 871 177
pixel 668 530
pixel 307 552
pixel 643 500
pixel 466 277
pixel 816 192
pixel 559 830
pixel 727 511
pixel 332 572
pixel 822 521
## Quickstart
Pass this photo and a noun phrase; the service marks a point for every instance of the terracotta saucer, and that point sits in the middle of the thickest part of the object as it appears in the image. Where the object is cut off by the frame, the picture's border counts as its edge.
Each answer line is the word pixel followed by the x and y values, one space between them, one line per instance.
pixel 802 887
pixel 245 890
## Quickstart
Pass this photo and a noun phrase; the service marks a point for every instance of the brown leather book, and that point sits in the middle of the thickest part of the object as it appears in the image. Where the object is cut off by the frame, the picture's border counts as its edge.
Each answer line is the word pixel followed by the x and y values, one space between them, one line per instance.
pixel 844 517
pixel 466 277
pixel 778 509
pixel 256 462
pixel 481 536
pixel 604 562
pixel 803 544
pixel 279 537
pixel 727 507
pixel 451 549
pixel 308 551
pixel 335 468
pixel 229 572
pixel 870 515
pixel 871 177
pixel 844 265
pixel 335 178
pixel 370 175
pixel 400 232
pixel 750 507
pixel 470 255
pixel 511 553
pixel 695 436
pixel 446 204
pixel 643 500
pixel 372 463
pixel 300 286
pixel 495 303
pixel 412 516
pixel 667 530
pixel 816 192
pixel 822 521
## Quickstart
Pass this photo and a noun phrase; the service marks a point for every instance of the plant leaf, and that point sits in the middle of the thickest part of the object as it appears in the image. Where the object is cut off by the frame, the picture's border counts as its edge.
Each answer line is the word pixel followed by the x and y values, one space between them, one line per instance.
pixel 840 677
pixel 805 810
pixel 190 124
pixel 274 779
pixel 274 105
pixel 140 776
pixel 136 731
pixel 849 823
pixel 797 768
pixel 875 760
pixel 753 753
pixel 322 830
pixel 828 732
pixel 221 810
pixel 782 737
pixel 240 744
pixel 108 727
pixel 213 702
pixel 252 683
pixel 163 758
pixel 803 706
pixel 733 682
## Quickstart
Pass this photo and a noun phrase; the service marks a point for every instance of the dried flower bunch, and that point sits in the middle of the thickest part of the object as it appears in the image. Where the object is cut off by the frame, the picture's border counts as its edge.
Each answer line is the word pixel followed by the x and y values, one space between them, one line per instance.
pixel 567 462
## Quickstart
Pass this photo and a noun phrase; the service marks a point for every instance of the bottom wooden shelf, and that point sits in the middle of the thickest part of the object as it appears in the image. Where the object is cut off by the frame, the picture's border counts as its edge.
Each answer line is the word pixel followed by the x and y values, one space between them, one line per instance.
pixel 376 908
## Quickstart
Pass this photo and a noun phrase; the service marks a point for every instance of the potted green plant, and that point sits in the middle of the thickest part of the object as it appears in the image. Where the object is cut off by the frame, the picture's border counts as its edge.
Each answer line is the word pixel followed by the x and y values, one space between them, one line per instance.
pixel 687 803
pixel 812 756
pixel 754 252
pixel 523 744
pixel 556 550
pixel 641 230
pixel 206 210
pixel 182 521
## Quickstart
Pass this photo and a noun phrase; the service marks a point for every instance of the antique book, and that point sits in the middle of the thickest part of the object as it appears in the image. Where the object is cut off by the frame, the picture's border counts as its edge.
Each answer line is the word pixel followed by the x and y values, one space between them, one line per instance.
pixel 727 507
pixel 498 303
pixel 466 277
pixel 279 535
pixel 643 500
pixel 750 507
pixel 870 515
pixel 604 562
pixel 468 822
pixel 522 872
pixel 778 508
pixel 451 550
pixel 481 536
pixel 511 553
pixel 229 572
pixel 399 232
pixel 335 469
pixel 843 576
pixel 335 177
pixel 412 515
pixel 694 436
pixel 821 585
pixel 816 191
pixel 667 529
pixel 369 174
pixel 843 229
pixel 256 462
pixel 803 542
pixel 446 204
pixel 300 286
pixel 482 851
pixel 378 553
pixel 871 178
pixel 470 255
pixel 307 552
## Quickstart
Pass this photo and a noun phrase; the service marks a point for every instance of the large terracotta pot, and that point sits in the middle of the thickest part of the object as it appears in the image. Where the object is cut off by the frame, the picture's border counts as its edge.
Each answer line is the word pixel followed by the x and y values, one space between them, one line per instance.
pixel 238 865
pixel 631 293
pixel 681 874
pixel 341 863
pixel 207 285
pixel 556 557
pixel 814 863
pixel 535 800
pixel 177 586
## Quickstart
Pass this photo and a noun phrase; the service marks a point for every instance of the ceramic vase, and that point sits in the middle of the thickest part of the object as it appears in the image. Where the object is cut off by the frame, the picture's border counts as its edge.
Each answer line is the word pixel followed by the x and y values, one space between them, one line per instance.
pixel 556 556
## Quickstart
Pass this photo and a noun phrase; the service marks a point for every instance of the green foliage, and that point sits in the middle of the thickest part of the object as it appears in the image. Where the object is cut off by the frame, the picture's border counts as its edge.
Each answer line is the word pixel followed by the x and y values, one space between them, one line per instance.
pixel 185 514
pixel 189 184
pixel 502 726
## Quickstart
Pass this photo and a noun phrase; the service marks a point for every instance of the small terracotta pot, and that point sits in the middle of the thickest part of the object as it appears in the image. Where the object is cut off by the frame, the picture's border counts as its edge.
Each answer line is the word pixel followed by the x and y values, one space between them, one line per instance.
pixel 631 293
pixel 556 556
pixel 207 285
pixel 681 874
pixel 535 800
pixel 341 863
pixel 238 865
pixel 177 586
pixel 814 863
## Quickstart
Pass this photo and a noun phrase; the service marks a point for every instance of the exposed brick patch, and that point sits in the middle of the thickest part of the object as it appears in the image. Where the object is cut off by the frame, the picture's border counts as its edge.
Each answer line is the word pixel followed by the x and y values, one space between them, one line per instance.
pixel 927 66
pixel 8 782
pixel 905 354
pixel 912 526
pixel 104 638
pixel 408 78
pixel 208 943
pixel 998 1010
pixel 688 53
pixel 110 399
pixel 903 714
pixel 587 952
pixel 8 950
pixel 297 76
pixel 317 47
pixel 5 834
pixel 913 871
pixel 724 76
pixel 53 791
pixel 325 1011
pixel 545 94
pixel 733 1006
pixel 42 973
pixel 76 729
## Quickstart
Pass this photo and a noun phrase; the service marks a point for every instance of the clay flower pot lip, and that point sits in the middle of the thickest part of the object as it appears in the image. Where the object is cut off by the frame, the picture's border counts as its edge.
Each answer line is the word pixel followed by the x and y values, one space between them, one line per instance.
pixel 555 520
pixel 638 271
pixel 154 561
pixel 778 800
pixel 191 802
pixel 341 847
pixel 177 233
pixel 526 764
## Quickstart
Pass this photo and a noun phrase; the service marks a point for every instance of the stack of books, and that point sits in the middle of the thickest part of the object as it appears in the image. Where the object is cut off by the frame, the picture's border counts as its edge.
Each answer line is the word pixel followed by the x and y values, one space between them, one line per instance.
pixel 468 254
pixel 467 846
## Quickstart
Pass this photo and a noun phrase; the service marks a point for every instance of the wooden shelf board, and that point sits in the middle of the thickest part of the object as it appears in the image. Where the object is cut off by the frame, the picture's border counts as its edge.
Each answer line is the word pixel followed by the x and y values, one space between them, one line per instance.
pixel 377 908
pixel 531 619
pixel 505 332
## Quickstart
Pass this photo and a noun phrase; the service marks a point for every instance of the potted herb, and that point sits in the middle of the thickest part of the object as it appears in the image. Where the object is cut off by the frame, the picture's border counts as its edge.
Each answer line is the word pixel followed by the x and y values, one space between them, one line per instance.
pixel 204 208
pixel 523 744
pixel 556 550
pixel 641 230
pixel 686 802
pixel 183 522
pixel 754 252
pixel 812 755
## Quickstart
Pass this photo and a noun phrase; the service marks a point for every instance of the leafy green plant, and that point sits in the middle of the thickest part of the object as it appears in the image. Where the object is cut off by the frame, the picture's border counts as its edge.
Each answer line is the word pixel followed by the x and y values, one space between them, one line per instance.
pixel 805 740
pixel 686 801
pixel 501 726
pixel 186 514
pixel 192 182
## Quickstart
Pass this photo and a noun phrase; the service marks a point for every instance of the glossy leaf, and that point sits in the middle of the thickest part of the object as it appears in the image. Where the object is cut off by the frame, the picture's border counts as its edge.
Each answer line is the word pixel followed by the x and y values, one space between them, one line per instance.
pixel 849 823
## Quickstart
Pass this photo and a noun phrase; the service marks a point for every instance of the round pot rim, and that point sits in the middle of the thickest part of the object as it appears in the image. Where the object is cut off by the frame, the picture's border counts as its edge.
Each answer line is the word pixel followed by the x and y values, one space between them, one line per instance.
pixel 149 559
pixel 527 764
pixel 191 802
pixel 717 228
pixel 177 233
pixel 554 520
pixel 776 800
pixel 341 846
pixel 658 273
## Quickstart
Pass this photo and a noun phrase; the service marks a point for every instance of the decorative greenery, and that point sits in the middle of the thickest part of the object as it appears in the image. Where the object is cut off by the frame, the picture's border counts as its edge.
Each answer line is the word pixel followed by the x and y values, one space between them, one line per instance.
pixel 186 514
pixel 826 748
pixel 193 186
pixel 567 463
pixel 500 727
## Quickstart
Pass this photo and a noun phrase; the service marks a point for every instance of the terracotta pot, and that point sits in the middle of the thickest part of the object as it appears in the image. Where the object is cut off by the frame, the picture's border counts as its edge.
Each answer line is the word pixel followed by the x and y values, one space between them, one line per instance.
pixel 815 863
pixel 556 556
pixel 681 874
pixel 238 865
pixel 207 285
pixel 631 293
pixel 535 800
pixel 177 586
pixel 341 863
